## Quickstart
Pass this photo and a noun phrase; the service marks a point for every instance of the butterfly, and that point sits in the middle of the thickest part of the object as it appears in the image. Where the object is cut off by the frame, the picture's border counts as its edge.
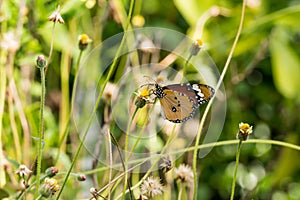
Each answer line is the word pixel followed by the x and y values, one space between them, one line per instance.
pixel 179 102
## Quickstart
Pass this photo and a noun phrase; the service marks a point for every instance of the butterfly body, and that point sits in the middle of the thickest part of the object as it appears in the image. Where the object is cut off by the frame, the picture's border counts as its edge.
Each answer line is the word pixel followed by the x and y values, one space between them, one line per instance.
pixel 180 101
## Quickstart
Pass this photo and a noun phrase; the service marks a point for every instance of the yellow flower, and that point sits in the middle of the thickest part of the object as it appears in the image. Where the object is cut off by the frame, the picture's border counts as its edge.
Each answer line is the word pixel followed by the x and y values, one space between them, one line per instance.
pixel 49 188
pixel 84 40
pixel 244 131
pixel 196 46
pixel 138 21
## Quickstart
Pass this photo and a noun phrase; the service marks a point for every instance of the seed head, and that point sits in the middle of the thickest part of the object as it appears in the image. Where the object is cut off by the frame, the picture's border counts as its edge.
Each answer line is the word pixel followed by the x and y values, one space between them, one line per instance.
pixel 184 173
pixel 56 17
pixel 23 171
pixel 151 187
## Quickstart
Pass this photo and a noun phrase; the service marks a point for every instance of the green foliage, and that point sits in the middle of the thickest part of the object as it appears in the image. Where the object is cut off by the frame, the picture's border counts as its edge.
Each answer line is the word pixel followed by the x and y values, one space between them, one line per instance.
pixel 262 88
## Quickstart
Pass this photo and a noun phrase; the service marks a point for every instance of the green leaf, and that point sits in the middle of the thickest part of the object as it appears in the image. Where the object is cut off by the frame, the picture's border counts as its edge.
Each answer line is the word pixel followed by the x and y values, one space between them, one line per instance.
pixel 3 194
pixel 192 9
pixel 285 64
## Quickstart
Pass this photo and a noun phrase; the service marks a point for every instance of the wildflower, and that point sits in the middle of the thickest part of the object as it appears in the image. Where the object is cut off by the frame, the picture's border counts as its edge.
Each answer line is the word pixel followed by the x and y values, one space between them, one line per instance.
pixel 93 190
pixel 244 131
pixel 138 21
pixel 84 40
pixel 41 61
pixel 184 173
pixel 23 171
pixel 51 171
pixel 10 42
pixel 56 17
pixel 166 164
pixel 151 187
pixel 81 177
pixel 142 98
pixel 196 46
pixel 49 188
pixel 109 90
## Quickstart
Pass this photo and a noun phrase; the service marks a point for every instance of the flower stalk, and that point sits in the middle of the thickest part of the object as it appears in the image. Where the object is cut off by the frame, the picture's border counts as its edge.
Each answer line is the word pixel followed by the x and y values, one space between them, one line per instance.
pixel 41 64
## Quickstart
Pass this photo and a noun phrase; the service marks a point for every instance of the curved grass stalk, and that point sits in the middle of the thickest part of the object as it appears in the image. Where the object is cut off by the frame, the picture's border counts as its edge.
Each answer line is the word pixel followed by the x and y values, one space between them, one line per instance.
pixel 210 102
pixel 111 70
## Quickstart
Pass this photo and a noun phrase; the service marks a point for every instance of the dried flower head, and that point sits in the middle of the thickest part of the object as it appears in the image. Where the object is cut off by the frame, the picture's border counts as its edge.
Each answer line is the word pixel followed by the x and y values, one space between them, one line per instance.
pixel 56 17
pixel 109 90
pixel 184 173
pixel 84 40
pixel 51 171
pixel 93 190
pixel 166 164
pixel 49 188
pixel 196 46
pixel 151 187
pixel 244 131
pixel 23 171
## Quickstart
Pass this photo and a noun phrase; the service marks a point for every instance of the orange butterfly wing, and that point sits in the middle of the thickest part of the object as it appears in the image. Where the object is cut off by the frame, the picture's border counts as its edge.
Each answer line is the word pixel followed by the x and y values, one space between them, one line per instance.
pixel 176 106
pixel 200 93
pixel 179 101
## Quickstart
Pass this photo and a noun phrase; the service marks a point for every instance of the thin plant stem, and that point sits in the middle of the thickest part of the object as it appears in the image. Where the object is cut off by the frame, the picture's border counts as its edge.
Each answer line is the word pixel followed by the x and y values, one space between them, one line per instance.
pixel 210 102
pixel 51 48
pixel 41 132
pixel 126 149
pixel 110 72
pixel 65 131
pixel 186 64
pixel 14 127
pixel 156 161
pixel 236 168
pixel 204 146
pixel 180 191
pixel 123 163
pixel 110 162
pixel 2 102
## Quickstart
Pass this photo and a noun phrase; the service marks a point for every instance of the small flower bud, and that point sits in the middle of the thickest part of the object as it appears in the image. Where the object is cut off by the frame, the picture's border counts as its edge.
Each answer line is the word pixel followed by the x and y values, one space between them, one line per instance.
pixel 51 171
pixel 140 102
pixel 23 171
pixel 84 40
pixel 195 48
pixel 41 61
pixel 81 177
pixel 56 17
pixel 244 131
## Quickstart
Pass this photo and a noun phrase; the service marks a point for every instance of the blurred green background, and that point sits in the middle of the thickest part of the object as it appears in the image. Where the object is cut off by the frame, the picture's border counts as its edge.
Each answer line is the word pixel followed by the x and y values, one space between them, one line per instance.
pixel 262 84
